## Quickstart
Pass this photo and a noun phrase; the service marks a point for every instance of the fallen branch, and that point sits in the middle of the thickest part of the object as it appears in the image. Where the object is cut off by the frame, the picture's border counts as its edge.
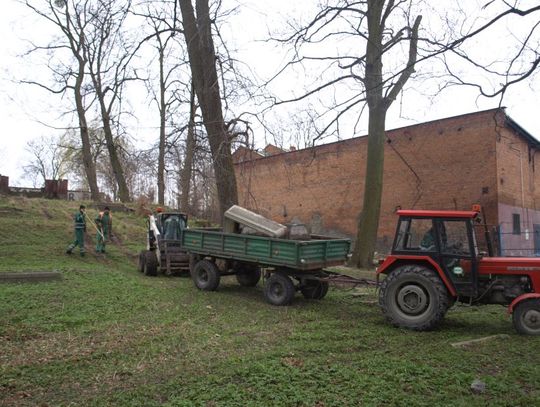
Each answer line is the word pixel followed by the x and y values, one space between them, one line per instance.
pixel 479 340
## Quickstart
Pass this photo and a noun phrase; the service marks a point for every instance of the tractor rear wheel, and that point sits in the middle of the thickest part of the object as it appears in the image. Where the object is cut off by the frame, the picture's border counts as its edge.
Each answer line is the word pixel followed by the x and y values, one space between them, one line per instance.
pixel 279 289
pixel 205 275
pixel 314 289
pixel 151 263
pixel 413 297
pixel 247 275
pixel 526 317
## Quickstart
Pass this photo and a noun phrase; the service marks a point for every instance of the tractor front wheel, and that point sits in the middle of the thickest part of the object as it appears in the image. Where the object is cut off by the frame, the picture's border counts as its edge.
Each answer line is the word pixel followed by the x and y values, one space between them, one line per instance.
pixel 142 261
pixel 413 297
pixel 526 317
pixel 151 263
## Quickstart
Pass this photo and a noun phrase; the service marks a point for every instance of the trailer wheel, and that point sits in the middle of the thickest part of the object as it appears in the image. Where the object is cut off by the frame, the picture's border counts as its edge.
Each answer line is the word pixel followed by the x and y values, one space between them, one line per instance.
pixel 151 263
pixel 205 275
pixel 247 275
pixel 526 317
pixel 279 289
pixel 142 261
pixel 413 297
pixel 314 289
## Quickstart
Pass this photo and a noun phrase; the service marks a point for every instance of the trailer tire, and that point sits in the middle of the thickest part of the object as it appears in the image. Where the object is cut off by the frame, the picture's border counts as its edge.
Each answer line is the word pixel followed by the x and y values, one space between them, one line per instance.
pixel 526 317
pixel 151 263
pixel 141 262
pixel 413 297
pixel 279 289
pixel 205 275
pixel 314 289
pixel 247 275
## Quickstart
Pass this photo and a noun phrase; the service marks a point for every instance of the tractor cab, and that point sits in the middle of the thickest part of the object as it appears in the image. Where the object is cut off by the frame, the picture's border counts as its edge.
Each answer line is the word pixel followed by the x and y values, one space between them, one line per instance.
pixel 171 224
pixel 443 238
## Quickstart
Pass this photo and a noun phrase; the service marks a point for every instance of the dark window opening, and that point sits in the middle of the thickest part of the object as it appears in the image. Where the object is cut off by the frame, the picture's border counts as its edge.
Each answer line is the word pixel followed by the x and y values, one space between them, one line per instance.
pixel 516 224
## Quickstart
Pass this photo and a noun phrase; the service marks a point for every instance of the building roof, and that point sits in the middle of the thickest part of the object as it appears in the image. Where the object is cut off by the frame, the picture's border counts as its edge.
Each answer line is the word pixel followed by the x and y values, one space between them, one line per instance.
pixel 271 150
pixel 521 131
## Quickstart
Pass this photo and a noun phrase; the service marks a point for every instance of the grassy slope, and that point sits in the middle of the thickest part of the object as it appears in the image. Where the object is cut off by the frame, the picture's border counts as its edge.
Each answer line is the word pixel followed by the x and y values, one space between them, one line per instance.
pixel 106 335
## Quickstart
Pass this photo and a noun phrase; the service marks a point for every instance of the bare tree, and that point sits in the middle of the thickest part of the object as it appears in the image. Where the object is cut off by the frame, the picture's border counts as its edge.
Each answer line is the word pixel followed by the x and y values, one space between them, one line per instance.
pixel 165 89
pixel 47 160
pixel 108 55
pixel 368 21
pixel 71 19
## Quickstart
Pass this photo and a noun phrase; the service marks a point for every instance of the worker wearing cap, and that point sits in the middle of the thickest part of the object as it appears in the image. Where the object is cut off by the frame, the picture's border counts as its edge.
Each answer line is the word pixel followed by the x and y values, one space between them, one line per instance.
pixel 80 227
pixel 104 226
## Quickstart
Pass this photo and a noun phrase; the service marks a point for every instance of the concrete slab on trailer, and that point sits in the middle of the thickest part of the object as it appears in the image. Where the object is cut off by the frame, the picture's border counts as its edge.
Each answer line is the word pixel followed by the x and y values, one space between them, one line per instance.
pixel 255 221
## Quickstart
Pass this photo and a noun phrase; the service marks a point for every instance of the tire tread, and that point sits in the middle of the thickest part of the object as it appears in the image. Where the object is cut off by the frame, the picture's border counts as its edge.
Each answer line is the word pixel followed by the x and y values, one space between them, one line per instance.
pixel 442 293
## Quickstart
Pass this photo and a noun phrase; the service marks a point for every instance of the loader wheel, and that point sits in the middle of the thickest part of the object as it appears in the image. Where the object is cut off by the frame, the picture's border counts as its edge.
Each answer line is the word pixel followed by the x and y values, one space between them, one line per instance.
pixel 205 275
pixel 279 289
pixel 142 261
pixel 314 289
pixel 413 297
pixel 247 275
pixel 151 263
pixel 526 317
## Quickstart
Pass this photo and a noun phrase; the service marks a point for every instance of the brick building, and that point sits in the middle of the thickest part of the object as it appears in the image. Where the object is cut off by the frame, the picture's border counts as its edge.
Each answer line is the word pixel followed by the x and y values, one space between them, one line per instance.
pixel 450 163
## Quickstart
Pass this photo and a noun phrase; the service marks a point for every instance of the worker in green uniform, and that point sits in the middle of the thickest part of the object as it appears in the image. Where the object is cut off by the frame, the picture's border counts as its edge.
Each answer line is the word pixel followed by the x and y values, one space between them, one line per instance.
pixel 80 228
pixel 104 226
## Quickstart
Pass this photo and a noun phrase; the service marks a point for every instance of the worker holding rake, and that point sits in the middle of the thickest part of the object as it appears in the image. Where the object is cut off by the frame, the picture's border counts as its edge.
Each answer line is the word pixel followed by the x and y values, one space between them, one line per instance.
pixel 104 229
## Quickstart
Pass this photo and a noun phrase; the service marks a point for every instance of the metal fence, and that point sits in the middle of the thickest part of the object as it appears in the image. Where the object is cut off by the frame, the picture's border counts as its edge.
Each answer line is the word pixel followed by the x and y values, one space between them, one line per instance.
pixel 506 243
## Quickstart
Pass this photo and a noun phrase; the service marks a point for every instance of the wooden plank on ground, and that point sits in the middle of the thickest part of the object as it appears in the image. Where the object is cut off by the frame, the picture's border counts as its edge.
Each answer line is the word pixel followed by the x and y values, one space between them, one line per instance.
pixel 30 276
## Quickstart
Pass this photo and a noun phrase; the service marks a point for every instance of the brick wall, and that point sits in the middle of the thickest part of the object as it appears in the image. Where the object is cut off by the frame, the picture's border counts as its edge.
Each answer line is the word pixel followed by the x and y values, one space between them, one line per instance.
pixel 444 164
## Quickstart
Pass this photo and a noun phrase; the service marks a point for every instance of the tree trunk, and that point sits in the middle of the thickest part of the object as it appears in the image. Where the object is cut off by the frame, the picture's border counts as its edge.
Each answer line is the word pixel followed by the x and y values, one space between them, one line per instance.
pixel 368 222
pixel 88 161
pixel 202 61
pixel 116 165
pixel 162 116
pixel 185 173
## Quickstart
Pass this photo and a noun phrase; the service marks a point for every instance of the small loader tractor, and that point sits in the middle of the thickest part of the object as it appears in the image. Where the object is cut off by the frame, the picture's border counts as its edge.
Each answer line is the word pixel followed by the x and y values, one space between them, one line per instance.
pixel 163 245
pixel 435 261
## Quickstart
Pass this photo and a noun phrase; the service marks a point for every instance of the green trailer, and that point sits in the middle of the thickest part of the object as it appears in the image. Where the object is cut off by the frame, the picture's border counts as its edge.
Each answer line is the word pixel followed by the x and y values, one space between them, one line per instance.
pixel 288 265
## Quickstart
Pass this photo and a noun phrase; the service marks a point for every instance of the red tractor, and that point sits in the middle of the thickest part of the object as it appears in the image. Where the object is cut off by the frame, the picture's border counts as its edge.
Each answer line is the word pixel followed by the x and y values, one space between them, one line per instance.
pixel 435 261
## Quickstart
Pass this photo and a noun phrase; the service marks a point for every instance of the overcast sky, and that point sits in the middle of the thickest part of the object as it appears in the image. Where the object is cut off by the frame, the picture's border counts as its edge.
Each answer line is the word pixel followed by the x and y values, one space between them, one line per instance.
pixel 27 113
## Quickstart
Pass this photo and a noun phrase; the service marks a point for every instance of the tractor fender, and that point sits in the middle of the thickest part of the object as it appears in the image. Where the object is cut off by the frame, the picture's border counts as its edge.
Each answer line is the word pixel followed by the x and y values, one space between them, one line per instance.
pixel 522 297
pixel 386 266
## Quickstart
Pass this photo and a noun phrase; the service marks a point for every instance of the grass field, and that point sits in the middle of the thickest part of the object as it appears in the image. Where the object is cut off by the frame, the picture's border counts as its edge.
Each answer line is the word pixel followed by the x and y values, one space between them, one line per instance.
pixel 107 335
